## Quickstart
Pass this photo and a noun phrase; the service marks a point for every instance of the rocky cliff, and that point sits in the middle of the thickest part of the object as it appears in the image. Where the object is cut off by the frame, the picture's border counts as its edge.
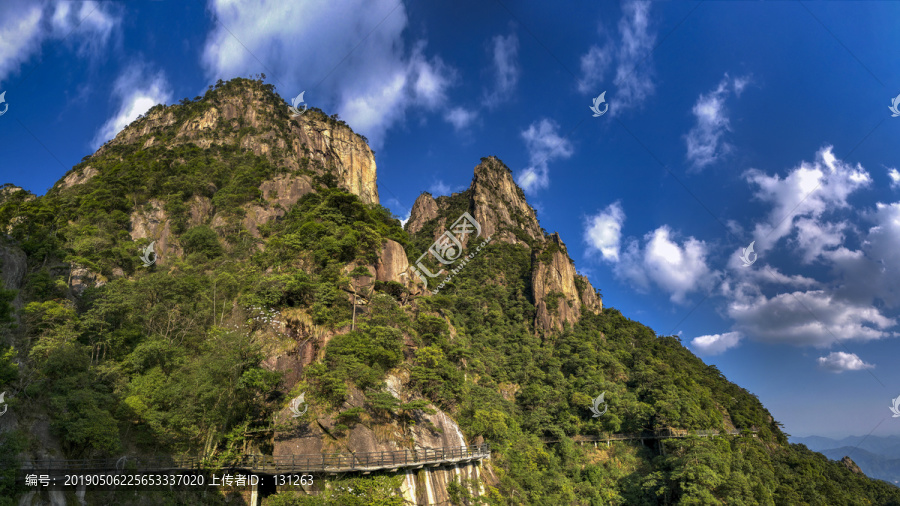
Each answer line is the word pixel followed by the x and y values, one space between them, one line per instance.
pixel 560 294
pixel 247 115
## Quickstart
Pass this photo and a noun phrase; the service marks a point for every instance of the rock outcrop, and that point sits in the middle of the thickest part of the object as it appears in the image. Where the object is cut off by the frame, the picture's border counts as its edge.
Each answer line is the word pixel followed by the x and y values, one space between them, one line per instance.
pixel 557 295
pixel 76 176
pixel 152 223
pixel 560 294
pixel 392 263
pixel 849 464
pixel 317 433
pixel 499 205
pixel 254 119
pixel 494 200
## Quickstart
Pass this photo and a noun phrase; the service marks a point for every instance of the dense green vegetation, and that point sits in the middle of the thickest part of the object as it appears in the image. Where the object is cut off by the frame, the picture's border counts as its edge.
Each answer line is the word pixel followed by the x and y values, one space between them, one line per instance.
pixel 169 359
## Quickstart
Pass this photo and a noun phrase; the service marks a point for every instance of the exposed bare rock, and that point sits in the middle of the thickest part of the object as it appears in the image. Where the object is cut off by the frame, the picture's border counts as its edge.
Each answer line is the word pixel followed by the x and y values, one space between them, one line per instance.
pixel 285 191
pixel 392 263
pixel 12 265
pixel 589 297
pixel 81 277
pixel 280 194
pixel 499 204
pixel 153 224
pixel 249 118
pixel 78 177
pixel 501 210
pixel 200 209
pixel 315 433
pixel 849 464
pixel 557 298
pixel 423 210
pixel 336 145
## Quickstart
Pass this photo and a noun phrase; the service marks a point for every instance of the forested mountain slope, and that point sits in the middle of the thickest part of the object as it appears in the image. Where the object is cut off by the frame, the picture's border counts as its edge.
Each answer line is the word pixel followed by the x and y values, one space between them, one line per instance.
pixel 279 274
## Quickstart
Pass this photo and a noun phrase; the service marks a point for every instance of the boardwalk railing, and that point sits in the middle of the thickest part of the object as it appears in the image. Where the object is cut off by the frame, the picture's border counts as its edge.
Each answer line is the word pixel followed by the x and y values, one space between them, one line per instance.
pixel 658 434
pixel 324 462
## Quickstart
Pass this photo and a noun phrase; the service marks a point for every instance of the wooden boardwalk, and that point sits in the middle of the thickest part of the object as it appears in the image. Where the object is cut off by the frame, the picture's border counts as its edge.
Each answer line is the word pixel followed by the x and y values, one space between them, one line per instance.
pixel 659 434
pixel 328 463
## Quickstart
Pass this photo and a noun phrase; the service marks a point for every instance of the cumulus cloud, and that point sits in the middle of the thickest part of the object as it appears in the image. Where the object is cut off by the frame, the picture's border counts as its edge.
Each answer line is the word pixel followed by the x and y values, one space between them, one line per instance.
pixel 663 262
pixel 631 54
pixel 852 293
pixel 544 144
pixel 838 362
pixel 373 85
pixel 704 141
pixel 603 231
pixel 26 25
pixel 715 344
pixel 869 275
pixel 894 174
pixel 136 90
pixel 808 191
pixel 505 59
pixel 806 318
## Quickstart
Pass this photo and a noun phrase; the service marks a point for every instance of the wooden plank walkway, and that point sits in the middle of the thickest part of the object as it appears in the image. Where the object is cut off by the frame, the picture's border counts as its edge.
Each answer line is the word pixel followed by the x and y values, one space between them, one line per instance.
pixel 660 434
pixel 330 463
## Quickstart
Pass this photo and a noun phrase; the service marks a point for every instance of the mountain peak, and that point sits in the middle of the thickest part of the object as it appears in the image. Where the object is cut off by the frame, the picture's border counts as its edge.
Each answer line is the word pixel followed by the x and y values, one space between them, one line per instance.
pixel 247 115
pixel 498 204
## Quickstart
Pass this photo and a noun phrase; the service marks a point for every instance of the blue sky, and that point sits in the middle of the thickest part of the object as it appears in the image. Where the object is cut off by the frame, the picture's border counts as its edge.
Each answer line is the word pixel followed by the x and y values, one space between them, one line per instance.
pixel 728 122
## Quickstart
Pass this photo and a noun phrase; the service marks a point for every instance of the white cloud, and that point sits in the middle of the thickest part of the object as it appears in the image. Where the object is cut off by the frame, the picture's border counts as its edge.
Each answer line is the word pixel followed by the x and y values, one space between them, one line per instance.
pixel 895 177
pixel 704 142
pixel 372 85
pixel 505 56
pixel 27 25
pixel 870 274
pixel 838 362
pixel 544 145
pixel 136 90
pixel 715 344
pixel 678 269
pixel 809 190
pixel 814 317
pixel 815 237
pixel 634 73
pixel 633 63
pixel 439 188
pixel 594 64
pixel 460 118
pixel 603 231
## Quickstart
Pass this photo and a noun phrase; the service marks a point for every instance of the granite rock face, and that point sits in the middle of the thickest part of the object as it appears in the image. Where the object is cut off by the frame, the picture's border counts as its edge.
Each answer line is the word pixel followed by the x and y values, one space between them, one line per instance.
pixel 495 201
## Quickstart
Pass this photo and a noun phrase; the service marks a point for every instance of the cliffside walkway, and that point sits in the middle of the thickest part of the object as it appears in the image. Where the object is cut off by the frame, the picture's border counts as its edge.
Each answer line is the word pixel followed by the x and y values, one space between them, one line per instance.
pixel 642 436
pixel 328 463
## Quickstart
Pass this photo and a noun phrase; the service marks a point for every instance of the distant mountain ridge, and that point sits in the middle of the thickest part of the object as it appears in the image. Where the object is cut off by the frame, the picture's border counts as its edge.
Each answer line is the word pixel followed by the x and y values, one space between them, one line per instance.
pixel 877 456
